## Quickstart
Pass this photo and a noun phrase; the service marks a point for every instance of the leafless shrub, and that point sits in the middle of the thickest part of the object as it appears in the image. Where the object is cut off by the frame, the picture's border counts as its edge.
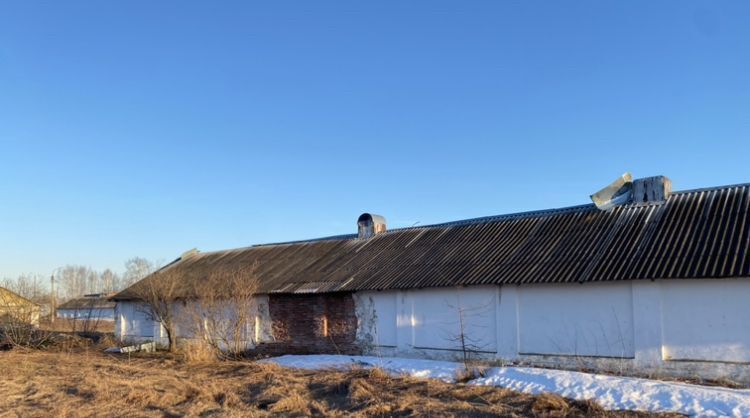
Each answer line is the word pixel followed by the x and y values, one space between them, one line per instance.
pixel 19 319
pixel 88 322
pixel 469 346
pixel 157 295
pixel 18 333
pixel 223 315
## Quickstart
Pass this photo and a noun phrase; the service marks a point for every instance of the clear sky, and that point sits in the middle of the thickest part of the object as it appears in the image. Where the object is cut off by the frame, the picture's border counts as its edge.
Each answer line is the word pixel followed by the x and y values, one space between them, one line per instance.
pixel 148 128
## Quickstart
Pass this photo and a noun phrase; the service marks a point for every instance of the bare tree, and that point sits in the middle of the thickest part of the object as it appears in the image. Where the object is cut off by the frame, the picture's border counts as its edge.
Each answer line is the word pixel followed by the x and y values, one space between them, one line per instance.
pixel 157 295
pixel 75 281
pixel 91 317
pixel 30 286
pixel 224 310
pixel 469 346
pixel 136 269
pixel 108 281
pixel 86 317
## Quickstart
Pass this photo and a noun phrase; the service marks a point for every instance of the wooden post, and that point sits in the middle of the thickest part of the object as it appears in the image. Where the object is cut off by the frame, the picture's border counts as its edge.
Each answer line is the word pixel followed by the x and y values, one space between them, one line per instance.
pixel 53 314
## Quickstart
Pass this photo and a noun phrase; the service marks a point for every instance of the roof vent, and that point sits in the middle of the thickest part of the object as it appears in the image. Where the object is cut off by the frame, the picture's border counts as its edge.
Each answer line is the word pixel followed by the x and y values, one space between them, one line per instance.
pixel 652 189
pixel 625 190
pixel 616 193
pixel 189 253
pixel 369 225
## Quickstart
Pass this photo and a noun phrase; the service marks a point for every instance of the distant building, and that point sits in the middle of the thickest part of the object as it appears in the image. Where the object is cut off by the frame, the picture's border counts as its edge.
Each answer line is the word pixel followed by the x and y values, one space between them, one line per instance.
pixel 94 307
pixel 14 307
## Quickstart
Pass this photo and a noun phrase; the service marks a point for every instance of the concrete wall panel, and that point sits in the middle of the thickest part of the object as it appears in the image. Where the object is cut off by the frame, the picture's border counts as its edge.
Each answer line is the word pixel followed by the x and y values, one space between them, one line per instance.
pixel 706 320
pixel 577 320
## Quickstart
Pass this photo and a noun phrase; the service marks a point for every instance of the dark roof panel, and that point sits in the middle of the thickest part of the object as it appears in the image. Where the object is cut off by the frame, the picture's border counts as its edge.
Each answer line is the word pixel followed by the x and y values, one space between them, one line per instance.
pixel 695 234
pixel 87 303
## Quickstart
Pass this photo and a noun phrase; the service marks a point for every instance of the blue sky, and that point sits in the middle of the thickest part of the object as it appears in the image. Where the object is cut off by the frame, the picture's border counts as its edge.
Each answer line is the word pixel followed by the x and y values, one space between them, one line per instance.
pixel 148 128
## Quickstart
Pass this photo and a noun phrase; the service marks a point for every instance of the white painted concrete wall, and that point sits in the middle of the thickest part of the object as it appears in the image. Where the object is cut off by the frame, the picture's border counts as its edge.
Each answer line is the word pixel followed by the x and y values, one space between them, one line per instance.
pixel 430 319
pixel 441 316
pixel 706 320
pixel 133 324
pixel 377 314
pixel 576 320
pixel 385 305
pixel 93 314
pixel 677 327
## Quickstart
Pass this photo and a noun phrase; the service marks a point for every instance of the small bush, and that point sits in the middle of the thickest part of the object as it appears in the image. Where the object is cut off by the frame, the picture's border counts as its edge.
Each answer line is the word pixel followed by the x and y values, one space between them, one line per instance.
pixel 470 372
pixel 15 333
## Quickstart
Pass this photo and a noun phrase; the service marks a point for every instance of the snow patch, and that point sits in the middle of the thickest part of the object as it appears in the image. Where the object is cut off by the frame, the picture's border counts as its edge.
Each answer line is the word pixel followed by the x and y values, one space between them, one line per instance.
pixel 432 369
pixel 611 392
pixel 618 393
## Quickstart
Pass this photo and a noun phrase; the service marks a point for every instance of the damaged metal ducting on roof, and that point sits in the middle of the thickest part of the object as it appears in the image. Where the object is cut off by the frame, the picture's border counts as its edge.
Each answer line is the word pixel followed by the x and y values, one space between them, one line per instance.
pixel 189 253
pixel 369 225
pixel 624 190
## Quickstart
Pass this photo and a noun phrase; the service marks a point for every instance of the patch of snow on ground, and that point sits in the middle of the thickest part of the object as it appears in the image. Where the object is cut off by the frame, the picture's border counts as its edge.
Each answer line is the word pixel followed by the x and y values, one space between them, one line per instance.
pixel 611 392
pixel 616 393
pixel 433 369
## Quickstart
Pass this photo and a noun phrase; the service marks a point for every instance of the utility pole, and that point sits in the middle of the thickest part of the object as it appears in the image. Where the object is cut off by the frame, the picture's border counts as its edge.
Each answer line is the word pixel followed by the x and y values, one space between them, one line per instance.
pixel 54 301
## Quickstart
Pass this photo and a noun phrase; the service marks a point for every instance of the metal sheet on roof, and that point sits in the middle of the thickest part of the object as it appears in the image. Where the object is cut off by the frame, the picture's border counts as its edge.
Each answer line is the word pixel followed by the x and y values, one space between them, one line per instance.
pixel 694 234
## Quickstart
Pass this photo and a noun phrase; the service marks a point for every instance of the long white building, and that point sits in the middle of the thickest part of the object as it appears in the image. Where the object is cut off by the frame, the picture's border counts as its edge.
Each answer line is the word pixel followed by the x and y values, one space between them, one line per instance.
pixel 652 282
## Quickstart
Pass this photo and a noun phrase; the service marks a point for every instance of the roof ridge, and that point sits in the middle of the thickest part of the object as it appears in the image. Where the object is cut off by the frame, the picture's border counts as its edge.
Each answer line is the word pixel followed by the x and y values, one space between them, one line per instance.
pixel 468 221
pixel 552 211
pixel 271 244
pixel 302 241
pixel 711 188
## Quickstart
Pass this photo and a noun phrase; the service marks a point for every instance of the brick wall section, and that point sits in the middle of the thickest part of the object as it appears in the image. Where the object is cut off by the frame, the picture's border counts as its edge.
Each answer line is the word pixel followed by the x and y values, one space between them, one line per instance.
pixel 300 322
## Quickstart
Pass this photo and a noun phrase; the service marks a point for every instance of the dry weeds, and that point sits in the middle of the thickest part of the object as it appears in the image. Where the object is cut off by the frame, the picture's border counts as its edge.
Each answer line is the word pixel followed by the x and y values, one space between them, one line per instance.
pixel 72 325
pixel 89 383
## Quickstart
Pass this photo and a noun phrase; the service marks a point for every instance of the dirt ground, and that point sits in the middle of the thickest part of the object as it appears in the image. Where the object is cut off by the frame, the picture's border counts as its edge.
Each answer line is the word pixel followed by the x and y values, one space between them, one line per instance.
pixel 88 383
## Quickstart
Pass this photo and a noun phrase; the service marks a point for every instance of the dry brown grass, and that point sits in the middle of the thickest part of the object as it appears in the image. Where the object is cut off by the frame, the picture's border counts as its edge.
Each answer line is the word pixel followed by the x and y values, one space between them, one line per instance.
pixel 73 325
pixel 89 383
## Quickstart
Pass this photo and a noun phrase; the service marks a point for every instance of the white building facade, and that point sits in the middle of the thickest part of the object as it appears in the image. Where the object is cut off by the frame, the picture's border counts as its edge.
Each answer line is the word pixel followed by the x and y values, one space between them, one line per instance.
pixel 665 327
pixel 643 287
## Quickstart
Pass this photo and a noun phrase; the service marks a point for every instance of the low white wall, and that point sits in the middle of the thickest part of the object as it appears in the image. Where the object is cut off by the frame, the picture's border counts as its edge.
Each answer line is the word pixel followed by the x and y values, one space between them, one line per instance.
pixel 429 320
pixel 132 324
pixel 93 314
pixel 677 327
pixel 576 320
pixel 442 317
pixel 706 320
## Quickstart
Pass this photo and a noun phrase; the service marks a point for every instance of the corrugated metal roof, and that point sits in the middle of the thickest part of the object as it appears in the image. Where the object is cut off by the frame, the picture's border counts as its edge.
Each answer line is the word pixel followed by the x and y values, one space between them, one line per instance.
pixel 88 303
pixel 696 234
